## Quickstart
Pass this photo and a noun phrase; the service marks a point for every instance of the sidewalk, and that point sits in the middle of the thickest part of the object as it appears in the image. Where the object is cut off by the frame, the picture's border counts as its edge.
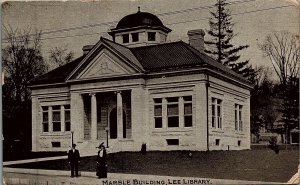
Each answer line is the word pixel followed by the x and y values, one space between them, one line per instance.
pixel 49 177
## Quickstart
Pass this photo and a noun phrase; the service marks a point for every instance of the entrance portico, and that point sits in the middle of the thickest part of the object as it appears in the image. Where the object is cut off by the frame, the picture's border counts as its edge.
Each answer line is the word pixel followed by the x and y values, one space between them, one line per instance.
pixel 103 111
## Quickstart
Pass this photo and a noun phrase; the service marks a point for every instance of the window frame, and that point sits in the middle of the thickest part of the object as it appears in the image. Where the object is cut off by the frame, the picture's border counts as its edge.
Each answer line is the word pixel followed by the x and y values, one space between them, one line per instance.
pixel 67 108
pixel 135 37
pixel 238 117
pixel 161 116
pixel 45 122
pixel 60 117
pixel 187 102
pixel 125 38
pixel 216 113
pixel 151 36
pixel 172 116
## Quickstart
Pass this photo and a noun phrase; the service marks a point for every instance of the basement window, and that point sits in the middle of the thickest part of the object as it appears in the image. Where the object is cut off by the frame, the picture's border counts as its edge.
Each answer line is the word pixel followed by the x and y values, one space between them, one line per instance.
pixel 217 142
pixel 173 141
pixel 239 142
pixel 55 144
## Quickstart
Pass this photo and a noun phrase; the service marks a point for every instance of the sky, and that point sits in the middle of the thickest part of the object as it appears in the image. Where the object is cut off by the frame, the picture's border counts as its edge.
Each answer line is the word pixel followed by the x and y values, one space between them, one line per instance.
pixel 73 24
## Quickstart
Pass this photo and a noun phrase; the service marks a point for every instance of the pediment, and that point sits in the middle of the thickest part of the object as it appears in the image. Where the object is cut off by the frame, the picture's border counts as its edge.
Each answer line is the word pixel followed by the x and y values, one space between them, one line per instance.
pixel 105 64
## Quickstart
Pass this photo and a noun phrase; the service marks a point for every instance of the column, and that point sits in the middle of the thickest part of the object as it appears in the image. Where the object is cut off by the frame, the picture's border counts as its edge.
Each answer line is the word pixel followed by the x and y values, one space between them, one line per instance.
pixel 50 125
pixel 164 113
pixel 200 117
pixel 36 124
pixel 77 125
pixel 181 112
pixel 93 116
pixel 119 115
pixel 62 119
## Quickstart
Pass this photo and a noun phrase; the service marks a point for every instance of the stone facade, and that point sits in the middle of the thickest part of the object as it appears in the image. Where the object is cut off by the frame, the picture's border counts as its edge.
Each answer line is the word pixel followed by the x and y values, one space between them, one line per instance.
pixel 112 96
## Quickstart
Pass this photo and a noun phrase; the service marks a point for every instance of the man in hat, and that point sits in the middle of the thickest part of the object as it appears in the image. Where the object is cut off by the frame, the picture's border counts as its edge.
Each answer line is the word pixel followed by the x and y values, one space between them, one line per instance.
pixel 74 159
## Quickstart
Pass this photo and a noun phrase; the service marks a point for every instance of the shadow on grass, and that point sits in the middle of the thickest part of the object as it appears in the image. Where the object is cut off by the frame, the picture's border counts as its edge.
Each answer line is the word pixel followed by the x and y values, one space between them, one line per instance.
pixel 255 165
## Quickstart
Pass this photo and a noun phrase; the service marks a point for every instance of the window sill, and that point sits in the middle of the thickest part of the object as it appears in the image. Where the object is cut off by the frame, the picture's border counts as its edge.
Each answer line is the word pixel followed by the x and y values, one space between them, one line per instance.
pixel 239 133
pixel 56 133
pixel 164 130
pixel 217 130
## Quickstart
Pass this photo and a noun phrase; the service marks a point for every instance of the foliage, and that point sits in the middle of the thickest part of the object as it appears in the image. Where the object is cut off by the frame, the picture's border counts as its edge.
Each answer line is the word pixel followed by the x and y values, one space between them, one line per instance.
pixel 220 46
pixel 263 109
pixel 60 56
pixel 283 50
pixel 22 61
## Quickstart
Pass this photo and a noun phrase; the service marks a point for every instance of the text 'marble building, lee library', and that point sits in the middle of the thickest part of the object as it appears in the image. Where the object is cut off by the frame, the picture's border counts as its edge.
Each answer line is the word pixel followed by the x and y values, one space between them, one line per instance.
pixel 137 88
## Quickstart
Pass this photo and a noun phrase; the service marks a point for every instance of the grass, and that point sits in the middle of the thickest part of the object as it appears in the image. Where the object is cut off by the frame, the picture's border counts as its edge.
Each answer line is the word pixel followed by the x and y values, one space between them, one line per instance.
pixel 22 155
pixel 259 165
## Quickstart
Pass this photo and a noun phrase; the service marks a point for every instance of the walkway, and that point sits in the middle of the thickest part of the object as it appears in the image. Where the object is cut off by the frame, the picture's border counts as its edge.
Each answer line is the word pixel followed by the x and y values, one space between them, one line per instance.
pixel 49 177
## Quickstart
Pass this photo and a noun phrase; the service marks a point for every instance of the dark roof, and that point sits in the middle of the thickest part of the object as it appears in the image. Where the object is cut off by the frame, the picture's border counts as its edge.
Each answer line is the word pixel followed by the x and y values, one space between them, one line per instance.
pixel 160 57
pixel 163 56
pixel 57 75
pixel 139 19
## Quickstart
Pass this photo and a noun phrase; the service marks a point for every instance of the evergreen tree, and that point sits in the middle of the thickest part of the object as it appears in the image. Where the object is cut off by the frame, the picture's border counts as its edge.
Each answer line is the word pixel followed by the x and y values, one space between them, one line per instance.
pixel 220 46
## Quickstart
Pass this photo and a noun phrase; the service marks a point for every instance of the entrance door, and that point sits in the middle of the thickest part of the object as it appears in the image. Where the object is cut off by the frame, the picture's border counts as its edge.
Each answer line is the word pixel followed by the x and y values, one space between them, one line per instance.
pixel 113 125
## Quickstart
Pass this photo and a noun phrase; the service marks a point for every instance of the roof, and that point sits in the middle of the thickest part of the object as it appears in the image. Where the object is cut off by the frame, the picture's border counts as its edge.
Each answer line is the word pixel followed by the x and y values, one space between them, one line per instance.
pixel 139 19
pixel 57 75
pixel 167 56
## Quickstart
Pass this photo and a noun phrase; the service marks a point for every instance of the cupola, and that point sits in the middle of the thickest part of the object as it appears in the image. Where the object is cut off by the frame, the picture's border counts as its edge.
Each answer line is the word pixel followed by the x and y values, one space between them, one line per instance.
pixel 140 29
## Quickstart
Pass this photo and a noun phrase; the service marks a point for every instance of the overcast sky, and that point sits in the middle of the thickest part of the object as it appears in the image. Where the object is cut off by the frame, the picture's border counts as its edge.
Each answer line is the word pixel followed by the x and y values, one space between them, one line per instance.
pixel 254 19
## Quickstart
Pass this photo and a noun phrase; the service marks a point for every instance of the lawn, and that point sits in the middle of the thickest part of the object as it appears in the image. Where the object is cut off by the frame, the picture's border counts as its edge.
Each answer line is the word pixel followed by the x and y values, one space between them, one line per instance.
pixel 259 165
pixel 16 155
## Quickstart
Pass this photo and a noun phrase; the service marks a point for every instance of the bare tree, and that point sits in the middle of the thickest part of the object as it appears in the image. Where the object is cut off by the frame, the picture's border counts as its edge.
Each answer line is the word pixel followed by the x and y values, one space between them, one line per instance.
pixel 22 60
pixel 283 50
pixel 61 56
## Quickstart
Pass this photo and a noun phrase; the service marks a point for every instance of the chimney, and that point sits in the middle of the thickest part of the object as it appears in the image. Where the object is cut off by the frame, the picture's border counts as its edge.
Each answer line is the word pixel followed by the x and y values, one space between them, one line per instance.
pixel 87 49
pixel 196 39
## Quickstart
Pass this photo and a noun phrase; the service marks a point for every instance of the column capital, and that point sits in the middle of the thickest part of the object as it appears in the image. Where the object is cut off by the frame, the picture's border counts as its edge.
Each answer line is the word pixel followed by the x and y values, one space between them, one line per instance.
pixel 118 92
pixel 92 94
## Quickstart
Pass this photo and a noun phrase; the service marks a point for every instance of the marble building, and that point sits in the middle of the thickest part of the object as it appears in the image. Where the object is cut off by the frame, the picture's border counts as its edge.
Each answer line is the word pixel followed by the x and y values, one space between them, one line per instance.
pixel 138 88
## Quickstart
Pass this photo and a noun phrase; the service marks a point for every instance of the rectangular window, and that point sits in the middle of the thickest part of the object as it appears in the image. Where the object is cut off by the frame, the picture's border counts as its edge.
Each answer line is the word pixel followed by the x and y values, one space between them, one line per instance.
pixel 67 118
pixel 135 37
pixel 45 119
pixel 217 142
pixel 238 117
pixel 151 36
pixel 158 113
pixel 239 142
pixel 56 118
pixel 55 144
pixel 173 141
pixel 125 38
pixel 216 112
pixel 188 113
pixel 173 112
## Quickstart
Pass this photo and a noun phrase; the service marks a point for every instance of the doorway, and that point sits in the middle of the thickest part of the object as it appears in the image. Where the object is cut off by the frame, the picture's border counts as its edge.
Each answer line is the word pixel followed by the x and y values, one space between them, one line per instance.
pixel 113 125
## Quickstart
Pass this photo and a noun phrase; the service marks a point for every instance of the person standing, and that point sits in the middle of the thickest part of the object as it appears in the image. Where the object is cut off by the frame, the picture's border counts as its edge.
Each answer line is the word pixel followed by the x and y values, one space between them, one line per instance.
pixel 74 159
pixel 101 162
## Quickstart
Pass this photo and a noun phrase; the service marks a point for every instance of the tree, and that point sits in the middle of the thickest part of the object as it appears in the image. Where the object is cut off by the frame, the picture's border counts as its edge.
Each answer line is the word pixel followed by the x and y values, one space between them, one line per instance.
pixel 22 61
pixel 262 108
pixel 61 56
pixel 220 46
pixel 283 50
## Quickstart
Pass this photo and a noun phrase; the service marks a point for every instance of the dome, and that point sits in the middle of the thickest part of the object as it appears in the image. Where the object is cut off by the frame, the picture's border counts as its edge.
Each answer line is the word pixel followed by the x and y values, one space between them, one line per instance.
pixel 139 19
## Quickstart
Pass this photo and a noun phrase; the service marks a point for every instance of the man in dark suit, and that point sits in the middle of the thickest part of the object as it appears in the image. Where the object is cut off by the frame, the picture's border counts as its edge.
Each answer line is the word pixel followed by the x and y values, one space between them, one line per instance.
pixel 74 159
